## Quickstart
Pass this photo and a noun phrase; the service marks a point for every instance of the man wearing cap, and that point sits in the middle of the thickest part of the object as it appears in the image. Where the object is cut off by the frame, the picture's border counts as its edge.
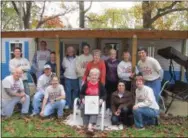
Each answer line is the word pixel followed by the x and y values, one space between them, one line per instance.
pixel 151 71
pixel 42 84
pixel 146 109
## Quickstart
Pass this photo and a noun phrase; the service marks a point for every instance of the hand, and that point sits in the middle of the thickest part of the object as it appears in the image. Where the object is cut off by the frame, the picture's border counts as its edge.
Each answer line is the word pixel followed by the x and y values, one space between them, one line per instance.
pixel 22 94
pixel 135 107
pixel 42 113
pixel 117 113
pixel 100 102
pixel 82 83
pixel 23 99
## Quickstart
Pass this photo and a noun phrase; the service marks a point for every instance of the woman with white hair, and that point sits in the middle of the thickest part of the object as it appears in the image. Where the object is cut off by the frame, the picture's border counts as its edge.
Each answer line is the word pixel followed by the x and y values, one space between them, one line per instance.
pixel 92 88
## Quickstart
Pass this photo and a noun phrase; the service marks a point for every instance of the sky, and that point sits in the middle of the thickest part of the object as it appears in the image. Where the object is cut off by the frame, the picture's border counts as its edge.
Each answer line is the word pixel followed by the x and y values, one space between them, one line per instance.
pixel 97 7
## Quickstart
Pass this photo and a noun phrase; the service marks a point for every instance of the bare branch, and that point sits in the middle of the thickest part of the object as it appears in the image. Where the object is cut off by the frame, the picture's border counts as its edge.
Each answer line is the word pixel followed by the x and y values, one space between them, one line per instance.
pixel 167 7
pixel 43 9
pixel 167 12
pixel 54 16
pixel 4 26
pixel 88 7
pixel 94 19
pixel 15 8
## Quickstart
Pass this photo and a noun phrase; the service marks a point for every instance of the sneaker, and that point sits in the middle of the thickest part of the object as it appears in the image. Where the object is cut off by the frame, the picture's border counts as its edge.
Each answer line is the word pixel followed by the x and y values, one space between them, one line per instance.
pixel 120 127
pixel 33 114
pixel 140 128
pixel 66 107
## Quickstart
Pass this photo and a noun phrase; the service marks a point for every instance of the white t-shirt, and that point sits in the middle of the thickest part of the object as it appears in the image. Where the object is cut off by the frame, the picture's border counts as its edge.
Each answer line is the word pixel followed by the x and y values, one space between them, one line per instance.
pixel 23 63
pixel 150 68
pixel 145 98
pixel 14 85
pixel 44 82
pixel 124 70
pixel 53 93
pixel 42 58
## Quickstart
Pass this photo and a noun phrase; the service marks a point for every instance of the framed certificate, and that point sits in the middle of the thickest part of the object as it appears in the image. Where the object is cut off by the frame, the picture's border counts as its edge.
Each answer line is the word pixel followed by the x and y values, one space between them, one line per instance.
pixel 91 105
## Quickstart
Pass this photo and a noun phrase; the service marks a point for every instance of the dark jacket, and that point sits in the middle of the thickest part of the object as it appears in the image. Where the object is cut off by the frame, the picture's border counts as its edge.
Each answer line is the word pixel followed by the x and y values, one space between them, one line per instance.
pixel 102 91
pixel 118 103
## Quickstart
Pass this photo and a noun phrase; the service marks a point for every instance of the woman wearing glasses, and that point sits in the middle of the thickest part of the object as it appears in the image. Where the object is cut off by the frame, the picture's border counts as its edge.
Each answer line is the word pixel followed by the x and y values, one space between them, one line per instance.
pixel 54 98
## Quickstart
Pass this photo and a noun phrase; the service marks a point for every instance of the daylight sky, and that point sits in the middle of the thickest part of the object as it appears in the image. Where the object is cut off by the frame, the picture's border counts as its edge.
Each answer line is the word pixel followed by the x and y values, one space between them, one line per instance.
pixel 97 7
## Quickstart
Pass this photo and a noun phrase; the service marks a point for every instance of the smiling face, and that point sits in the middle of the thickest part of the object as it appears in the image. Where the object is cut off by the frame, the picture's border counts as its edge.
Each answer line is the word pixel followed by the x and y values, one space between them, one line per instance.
pixel 86 50
pixel 54 82
pixel 17 73
pixel 113 54
pixel 96 56
pixel 52 57
pixel 17 53
pixel 126 56
pixel 42 45
pixel 70 51
pixel 142 55
pixel 47 71
pixel 94 75
pixel 139 82
pixel 121 87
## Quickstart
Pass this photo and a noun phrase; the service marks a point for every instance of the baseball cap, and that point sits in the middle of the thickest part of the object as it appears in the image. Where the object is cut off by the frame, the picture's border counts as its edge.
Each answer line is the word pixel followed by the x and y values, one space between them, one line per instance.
pixel 47 66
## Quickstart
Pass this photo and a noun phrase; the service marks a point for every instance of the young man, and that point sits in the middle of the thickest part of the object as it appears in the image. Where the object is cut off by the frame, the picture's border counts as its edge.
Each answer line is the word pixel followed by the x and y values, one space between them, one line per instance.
pixel 105 55
pixel 151 71
pixel 52 61
pixel 43 83
pixel 24 64
pixel 82 61
pixel 71 79
pixel 40 58
pixel 124 70
pixel 54 98
pixel 13 93
pixel 146 109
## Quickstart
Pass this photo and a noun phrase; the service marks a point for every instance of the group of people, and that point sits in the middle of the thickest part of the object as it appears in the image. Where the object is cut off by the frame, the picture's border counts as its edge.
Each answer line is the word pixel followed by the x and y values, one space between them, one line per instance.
pixel 87 74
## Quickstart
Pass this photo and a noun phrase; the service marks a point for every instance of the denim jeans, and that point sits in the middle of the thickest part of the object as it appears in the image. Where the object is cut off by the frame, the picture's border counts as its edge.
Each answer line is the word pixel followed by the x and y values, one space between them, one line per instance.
pixel 50 108
pixel 26 87
pixel 80 83
pixel 156 86
pixel 37 101
pixel 145 116
pixel 72 91
pixel 8 105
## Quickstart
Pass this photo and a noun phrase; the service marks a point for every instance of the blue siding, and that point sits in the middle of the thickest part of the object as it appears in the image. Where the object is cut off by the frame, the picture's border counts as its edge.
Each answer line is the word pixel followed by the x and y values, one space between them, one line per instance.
pixel 26 48
pixel 5 66
pixel 177 76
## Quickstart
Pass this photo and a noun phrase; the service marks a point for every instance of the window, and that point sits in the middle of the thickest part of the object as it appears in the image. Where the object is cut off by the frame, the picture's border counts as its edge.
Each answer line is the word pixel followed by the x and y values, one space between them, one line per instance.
pixel 13 45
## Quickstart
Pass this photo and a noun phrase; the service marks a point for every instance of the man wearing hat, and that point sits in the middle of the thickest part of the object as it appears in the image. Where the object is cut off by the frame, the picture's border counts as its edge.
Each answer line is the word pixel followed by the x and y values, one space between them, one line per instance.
pixel 42 84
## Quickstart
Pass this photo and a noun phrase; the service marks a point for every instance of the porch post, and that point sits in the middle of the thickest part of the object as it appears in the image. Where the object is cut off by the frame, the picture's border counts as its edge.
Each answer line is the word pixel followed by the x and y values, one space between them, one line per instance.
pixel 134 51
pixel 183 50
pixel 57 51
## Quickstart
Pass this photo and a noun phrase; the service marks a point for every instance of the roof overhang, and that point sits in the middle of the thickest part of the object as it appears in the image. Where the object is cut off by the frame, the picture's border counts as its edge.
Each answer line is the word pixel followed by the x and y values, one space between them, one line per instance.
pixel 97 33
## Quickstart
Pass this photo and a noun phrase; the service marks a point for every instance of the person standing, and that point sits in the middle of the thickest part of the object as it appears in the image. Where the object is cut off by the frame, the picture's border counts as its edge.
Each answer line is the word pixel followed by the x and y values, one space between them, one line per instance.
pixel 125 70
pixel 24 64
pixel 82 61
pixel 43 82
pixel 146 109
pixel 40 58
pixel 151 71
pixel 95 63
pixel 13 93
pixel 52 61
pixel 111 77
pixel 105 55
pixel 71 79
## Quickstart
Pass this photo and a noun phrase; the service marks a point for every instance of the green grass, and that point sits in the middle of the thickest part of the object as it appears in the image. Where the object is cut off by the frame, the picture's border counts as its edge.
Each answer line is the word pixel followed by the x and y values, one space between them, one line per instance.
pixel 37 127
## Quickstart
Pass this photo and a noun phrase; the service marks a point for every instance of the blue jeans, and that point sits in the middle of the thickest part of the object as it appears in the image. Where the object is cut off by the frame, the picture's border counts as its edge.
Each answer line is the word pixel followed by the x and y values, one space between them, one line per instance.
pixel 26 87
pixel 37 101
pixel 50 108
pixel 144 116
pixel 80 83
pixel 8 105
pixel 156 86
pixel 72 91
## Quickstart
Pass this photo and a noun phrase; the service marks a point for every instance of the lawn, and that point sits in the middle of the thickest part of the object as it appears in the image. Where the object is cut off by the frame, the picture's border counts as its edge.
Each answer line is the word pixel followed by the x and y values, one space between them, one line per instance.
pixel 51 127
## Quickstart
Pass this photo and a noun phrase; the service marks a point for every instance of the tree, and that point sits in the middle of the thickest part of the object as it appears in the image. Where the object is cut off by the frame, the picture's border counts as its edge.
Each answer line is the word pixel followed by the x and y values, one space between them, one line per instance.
pixel 82 12
pixel 152 11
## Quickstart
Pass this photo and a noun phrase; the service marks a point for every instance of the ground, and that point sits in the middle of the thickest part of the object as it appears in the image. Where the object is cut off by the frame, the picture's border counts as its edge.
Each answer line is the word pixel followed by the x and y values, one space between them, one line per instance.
pixel 51 127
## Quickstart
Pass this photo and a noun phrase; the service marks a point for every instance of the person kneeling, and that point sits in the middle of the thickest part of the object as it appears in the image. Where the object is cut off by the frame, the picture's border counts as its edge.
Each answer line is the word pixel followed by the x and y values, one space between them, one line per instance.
pixel 122 102
pixel 146 109
pixel 13 93
pixel 54 98
pixel 92 88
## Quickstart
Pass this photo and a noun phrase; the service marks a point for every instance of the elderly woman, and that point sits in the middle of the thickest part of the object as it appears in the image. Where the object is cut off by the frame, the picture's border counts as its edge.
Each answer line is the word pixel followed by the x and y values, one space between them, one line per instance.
pixel 96 63
pixel 54 98
pixel 92 88
pixel 122 102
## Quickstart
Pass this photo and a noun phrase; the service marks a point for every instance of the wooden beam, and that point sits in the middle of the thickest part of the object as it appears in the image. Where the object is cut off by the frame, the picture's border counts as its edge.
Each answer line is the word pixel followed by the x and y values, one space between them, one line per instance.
pixel 113 33
pixel 134 51
pixel 183 50
pixel 57 51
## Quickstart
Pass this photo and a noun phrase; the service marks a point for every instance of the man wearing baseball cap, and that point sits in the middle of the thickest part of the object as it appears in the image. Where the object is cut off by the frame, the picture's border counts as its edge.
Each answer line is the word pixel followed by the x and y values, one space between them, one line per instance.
pixel 42 84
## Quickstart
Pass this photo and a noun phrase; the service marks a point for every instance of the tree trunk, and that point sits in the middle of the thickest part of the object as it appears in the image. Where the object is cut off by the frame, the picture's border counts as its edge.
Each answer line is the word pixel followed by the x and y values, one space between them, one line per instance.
pixel 82 14
pixel 146 8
